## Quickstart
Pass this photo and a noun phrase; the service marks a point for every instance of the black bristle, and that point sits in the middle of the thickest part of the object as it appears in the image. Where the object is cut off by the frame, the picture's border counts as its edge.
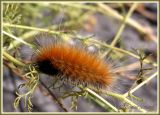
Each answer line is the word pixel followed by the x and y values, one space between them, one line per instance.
pixel 46 67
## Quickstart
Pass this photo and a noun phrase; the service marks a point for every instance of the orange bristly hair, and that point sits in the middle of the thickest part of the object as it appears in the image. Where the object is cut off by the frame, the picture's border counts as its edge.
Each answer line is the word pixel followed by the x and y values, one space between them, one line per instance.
pixel 73 64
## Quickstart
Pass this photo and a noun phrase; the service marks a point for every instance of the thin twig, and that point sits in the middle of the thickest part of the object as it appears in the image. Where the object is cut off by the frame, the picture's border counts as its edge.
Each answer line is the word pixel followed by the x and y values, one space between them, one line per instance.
pixel 101 99
pixel 31 28
pixel 140 85
pixel 116 38
pixel 17 39
pixel 122 98
pixel 15 61
pixel 24 37
pixel 53 96
pixel 120 50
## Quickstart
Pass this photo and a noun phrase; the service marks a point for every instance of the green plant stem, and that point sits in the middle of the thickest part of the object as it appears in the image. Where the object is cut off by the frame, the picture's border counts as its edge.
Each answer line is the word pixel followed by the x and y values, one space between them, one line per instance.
pixel 17 39
pixel 15 61
pixel 115 95
pixel 121 50
pixel 140 85
pixel 116 38
pixel 92 93
pixel 31 28
pixel 53 96
pixel 122 98
pixel 24 37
